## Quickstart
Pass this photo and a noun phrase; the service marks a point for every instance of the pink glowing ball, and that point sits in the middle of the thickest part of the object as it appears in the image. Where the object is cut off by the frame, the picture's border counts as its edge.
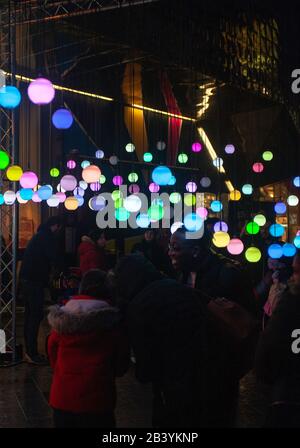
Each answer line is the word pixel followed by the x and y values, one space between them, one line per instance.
pixel 258 167
pixel 235 246
pixel 229 149
pixel 191 187
pixel 154 188
pixel 29 179
pixel 41 91
pixel 202 212
pixel 61 196
pixel 117 180
pixel 95 186
pixel 35 197
pixel 196 147
pixel 298 233
pixel 134 188
pixel 71 164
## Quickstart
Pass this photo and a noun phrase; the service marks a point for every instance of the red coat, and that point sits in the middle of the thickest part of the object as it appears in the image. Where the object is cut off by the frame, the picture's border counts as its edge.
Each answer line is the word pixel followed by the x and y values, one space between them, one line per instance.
pixel 87 350
pixel 90 256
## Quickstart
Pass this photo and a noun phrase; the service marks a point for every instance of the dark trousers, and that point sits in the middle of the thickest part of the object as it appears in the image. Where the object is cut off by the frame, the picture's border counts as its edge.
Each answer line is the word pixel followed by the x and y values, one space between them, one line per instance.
pixel 33 293
pixel 64 419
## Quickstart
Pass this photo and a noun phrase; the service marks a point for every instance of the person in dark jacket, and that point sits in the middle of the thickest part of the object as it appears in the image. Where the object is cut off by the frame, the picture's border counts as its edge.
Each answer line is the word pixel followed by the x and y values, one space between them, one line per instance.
pixel 166 323
pixel 91 251
pixel 87 349
pixel 278 356
pixel 40 256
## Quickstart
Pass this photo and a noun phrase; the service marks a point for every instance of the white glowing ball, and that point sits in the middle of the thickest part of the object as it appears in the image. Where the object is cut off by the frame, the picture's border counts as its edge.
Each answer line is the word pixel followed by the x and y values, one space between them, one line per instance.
pixel 130 147
pixel 53 201
pixel 99 154
pixel 218 162
pixel 292 200
pixel 91 174
pixel 68 182
pixel 132 203
pixel 60 189
pixel 191 187
pixel 175 226
pixel 160 146
pixel 83 185
pixel 9 197
pixel 78 191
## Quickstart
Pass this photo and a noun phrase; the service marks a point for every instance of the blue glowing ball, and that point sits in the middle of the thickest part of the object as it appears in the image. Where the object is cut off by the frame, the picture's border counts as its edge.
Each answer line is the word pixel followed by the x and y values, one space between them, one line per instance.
pixel 276 230
pixel 247 189
pixel 26 194
pixel 296 181
pixel 216 206
pixel 280 207
pixel 275 251
pixel 220 226
pixel 289 250
pixel 45 192
pixel 193 222
pixel 62 119
pixel 161 175
pixel 297 241
pixel 172 180
pixel 10 97
pixel 1 199
pixel 143 220
pixel 80 199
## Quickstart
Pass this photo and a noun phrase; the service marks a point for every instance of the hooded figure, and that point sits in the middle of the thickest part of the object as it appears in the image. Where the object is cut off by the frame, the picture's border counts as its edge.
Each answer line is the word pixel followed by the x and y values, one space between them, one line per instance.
pixel 91 251
pixel 87 349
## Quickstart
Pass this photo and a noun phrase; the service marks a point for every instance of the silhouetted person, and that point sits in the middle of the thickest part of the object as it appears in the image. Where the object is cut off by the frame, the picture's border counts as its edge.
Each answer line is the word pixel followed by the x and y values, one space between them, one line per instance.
pixel 91 251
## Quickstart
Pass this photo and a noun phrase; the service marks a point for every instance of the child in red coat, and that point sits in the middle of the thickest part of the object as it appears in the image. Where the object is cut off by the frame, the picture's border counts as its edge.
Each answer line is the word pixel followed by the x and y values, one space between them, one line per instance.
pixel 87 349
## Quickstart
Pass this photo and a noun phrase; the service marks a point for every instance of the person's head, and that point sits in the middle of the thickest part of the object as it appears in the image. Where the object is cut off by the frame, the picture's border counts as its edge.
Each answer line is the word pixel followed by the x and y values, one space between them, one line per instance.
pixel 53 224
pixel 296 269
pixel 186 254
pixel 99 237
pixel 149 235
pixel 95 283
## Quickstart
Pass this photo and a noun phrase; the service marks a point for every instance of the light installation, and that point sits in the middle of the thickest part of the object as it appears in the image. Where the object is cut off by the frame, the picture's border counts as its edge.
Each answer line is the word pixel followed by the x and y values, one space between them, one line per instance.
pixel 62 119
pixel 253 254
pixel 275 251
pixel 10 97
pixel 41 91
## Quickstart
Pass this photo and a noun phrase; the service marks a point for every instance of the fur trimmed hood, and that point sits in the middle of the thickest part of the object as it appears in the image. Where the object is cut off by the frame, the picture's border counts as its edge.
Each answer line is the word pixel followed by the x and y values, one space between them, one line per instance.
pixel 83 315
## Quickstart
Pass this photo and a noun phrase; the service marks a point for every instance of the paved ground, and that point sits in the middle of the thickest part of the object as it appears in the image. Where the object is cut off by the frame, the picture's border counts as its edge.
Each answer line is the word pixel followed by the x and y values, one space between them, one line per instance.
pixel 24 393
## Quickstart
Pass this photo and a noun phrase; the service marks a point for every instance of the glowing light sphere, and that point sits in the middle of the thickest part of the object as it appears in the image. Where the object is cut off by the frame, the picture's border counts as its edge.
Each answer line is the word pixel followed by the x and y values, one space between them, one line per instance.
pixel 71 164
pixel 296 181
pixel 252 228
pixel 9 197
pixel 280 207
pixel 154 188
pixel 175 197
pixel 182 158
pixel 80 200
pixel 71 203
pixel 189 199
pixel 116 194
pixel 260 220
pixel 134 188
pixel 68 182
pixel 35 197
pixel 19 198
pixel 60 189
pixel 161 175
pixel 235 246
pixel 99 154
pixel 267 156
pixel 45 192
pixel 229 149
pixel 292 200
pixel 117 180
pixel 172 181
pixel 121 214
pixel 192 222
pixel 113 160
pixel 218 162
pixel 102 179
pixel 10 97
pixel 202 212
pixel 298 233
pixel 130 147
pixel 143 220
pixel 91 174
pixel 235 195
pixel 28 179
pixel 258 167
pixel 78 191
pixel 14 173
pixel 296 239
pixel 253 254
pixel 132 203
pixel 160 146
pixel 26 194
pixel 175 226
pixel 220 226
pixel 191 187
pixel 289 250
pixel 147 157
pixel 221 239
pixel 53 201
pixel 276 230
pixel 216 206
pixel 205 182
pixel 62 119
pixel 133 177
pixel 275 251
pixel 247 189
pixel 95 186
pixel 54 172
pixel 4 160
pixel 196 147
pixel 1 199
pixel 119 203
pixel 85 164
pixel 155 212
pixel 41 91
pixel 83 185
pixel 97 203
pixel 61 197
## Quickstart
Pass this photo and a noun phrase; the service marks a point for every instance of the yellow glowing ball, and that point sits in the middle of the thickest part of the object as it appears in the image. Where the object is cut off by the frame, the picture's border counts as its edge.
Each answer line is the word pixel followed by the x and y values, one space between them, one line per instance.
pixel 221 239
pixel 235 195
pixel 189 199
pixel 253 254
pixel 14 173
pixel 71 203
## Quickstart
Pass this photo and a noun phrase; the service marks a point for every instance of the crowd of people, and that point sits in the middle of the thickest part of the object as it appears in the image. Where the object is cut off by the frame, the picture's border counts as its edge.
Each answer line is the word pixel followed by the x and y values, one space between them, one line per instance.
pixel 191 317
